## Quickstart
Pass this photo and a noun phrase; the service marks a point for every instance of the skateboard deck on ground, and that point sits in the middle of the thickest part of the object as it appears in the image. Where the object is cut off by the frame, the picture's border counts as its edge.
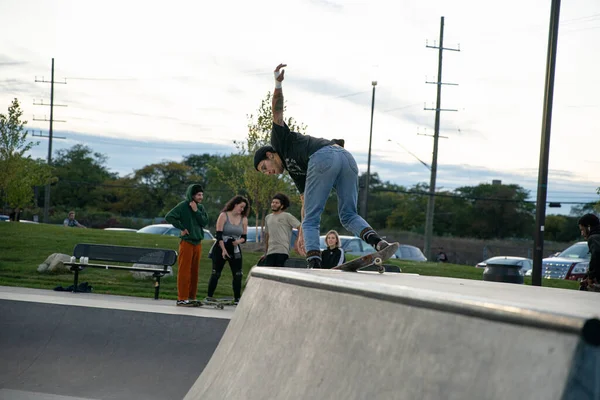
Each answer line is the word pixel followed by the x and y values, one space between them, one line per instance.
pixel 377 258
pixel 219 303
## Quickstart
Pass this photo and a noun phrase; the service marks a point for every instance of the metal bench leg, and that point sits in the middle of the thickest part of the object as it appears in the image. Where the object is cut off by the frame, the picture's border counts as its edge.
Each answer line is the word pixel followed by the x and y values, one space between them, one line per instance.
pixel 156 287
pixel 76 279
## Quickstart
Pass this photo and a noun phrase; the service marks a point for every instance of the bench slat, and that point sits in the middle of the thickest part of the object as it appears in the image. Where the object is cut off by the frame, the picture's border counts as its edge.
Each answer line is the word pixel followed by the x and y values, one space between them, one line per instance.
pixel 122 267
pixel 140 255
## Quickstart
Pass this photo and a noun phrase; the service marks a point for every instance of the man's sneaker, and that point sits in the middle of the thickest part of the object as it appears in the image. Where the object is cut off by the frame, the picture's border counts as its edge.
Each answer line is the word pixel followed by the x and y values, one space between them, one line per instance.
pixel 236 302
pixel 381 245
pixel 185 303
pixel 210 300
pixel 313 263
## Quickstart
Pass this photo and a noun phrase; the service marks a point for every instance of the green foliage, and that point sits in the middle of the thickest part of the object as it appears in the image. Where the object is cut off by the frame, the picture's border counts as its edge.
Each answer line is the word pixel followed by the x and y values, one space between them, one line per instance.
pixel 561 228
pixel 18 173
pixel 242 178
pixel 81 173
pixel 13 136
pixel 25 175
pixel 498 211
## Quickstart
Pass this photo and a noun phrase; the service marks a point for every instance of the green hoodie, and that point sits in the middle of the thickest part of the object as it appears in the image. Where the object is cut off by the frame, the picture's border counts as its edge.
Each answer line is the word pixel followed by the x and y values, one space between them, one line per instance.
pixel 183 217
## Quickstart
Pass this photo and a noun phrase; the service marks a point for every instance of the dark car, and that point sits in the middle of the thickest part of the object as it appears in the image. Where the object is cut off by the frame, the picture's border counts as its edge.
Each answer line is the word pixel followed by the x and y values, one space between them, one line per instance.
pixel 526 264
pixel 571 264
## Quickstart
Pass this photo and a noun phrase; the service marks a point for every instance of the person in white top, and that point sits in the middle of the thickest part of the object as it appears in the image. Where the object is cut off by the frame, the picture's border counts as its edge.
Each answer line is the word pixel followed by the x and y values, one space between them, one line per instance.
pixel 278 232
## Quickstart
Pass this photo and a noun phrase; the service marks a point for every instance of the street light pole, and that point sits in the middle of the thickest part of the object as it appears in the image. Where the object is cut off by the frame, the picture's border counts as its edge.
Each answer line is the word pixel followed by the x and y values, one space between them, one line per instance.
pixel 368 177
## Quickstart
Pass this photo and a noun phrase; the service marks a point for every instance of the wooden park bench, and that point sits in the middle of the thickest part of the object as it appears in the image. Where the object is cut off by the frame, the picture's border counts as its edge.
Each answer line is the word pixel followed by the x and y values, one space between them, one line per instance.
pixel 99 255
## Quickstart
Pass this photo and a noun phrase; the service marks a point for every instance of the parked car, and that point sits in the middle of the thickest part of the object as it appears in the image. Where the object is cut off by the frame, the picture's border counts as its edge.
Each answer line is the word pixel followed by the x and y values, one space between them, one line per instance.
pixel 351 245
pixel 255 235
pixel 4 218
pixel 571 264
pixel 121 229
pixel 410 253
pixel 169 230
pixel 526 264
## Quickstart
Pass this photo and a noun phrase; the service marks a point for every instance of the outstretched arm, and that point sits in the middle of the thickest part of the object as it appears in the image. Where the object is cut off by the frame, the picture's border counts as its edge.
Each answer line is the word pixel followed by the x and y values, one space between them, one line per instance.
pixel 277 102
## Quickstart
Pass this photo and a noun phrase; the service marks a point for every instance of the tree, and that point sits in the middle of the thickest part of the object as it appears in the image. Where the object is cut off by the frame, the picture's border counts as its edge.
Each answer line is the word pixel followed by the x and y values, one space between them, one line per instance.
pixel 561 228
pixel 498 211
pixel 81 173
pixel 243 178
pixel 18 173
pixel 163 185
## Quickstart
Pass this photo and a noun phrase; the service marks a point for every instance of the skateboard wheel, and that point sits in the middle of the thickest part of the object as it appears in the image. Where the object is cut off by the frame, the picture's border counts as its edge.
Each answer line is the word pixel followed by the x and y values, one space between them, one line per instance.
pixel 220 306
pixel 378 261
pixel 381 269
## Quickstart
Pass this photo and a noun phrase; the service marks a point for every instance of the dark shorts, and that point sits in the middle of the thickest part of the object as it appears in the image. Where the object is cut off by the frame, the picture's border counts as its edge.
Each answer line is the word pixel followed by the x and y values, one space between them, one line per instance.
pixel 273 260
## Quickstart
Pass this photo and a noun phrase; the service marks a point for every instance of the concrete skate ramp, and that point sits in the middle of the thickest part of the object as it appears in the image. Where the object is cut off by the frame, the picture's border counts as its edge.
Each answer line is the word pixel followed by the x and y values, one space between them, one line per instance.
pixel 92 351
pixel 301 334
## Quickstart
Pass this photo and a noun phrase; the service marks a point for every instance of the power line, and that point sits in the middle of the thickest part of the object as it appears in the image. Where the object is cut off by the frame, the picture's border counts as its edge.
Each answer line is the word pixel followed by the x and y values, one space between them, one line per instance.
pixel 476 198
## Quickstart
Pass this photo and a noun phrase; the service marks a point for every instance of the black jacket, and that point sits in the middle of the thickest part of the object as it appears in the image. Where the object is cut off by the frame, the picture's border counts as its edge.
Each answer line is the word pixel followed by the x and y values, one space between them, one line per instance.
pixel 594 247
pixel 332 258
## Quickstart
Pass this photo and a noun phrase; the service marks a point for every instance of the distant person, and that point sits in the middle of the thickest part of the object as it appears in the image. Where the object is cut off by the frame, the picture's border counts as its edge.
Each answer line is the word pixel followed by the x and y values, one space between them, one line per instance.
pixel 278 232
pixel 71 221
pixel 15 215
pixel 190 217
pixel 316 166
pixel 589 226
pixel 232 227
pixel 333 255
pixel 441 256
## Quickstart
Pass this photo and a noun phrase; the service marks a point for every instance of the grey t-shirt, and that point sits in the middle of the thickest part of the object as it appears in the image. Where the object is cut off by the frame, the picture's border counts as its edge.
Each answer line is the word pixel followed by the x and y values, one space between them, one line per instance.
pixel 279 227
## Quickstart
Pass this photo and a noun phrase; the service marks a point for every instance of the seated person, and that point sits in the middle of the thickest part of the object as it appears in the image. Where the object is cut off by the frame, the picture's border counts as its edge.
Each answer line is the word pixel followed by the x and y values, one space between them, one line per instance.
pixel 333 255
pixel 71 221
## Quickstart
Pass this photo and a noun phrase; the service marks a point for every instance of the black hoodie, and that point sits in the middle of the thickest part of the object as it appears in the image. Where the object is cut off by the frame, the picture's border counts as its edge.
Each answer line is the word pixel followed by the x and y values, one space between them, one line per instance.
pixel 594 247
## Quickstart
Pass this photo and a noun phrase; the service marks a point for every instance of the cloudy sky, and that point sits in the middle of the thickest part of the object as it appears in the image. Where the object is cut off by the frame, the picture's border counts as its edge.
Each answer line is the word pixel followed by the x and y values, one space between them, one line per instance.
pixel 148 81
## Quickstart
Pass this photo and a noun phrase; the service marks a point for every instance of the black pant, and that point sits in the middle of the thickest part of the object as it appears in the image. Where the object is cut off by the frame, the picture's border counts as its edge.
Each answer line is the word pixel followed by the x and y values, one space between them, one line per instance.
pixel 274 260
pixel 218 262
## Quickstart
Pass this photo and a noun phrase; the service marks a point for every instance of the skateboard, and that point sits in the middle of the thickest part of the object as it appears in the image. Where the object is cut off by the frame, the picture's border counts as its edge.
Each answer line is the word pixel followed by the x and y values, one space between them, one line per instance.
pixel 219 303
pixel 377 259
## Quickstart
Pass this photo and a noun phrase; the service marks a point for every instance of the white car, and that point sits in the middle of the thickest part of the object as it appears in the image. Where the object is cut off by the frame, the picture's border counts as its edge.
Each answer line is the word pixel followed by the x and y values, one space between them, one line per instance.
pixel 169 230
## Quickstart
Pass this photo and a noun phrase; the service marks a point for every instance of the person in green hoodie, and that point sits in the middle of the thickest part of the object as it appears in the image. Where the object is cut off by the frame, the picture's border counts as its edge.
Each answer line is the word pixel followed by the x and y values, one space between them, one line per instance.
pixel 191 217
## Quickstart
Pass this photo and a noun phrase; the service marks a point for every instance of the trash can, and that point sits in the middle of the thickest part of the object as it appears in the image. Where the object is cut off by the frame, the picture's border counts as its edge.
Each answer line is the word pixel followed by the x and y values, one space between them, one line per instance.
pixel 503 270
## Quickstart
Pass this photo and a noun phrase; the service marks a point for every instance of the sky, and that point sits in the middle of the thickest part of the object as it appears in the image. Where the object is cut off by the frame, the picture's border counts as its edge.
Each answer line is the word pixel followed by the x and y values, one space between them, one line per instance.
pixel 150 81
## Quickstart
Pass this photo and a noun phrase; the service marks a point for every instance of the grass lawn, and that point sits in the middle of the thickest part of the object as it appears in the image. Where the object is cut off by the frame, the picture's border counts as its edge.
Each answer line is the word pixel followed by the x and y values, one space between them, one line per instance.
pixel 24 246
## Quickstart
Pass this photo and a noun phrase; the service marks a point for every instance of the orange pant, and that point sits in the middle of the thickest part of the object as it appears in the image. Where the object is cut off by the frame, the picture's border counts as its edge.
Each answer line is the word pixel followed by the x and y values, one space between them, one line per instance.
pixel 187 276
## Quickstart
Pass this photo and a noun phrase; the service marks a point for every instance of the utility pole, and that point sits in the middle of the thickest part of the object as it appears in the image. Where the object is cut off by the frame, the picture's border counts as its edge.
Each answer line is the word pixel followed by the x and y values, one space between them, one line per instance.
pixel 47 189
pixel 365 201
pixel 436 135
pixel 542 189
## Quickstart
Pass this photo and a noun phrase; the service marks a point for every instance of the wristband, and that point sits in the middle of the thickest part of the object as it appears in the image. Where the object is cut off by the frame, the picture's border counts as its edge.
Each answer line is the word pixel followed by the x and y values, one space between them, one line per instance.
pixel 219 236
pixel 277 83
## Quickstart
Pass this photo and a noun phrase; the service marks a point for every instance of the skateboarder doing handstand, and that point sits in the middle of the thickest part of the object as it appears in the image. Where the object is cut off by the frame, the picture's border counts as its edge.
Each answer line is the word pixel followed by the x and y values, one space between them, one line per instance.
pixel 316 165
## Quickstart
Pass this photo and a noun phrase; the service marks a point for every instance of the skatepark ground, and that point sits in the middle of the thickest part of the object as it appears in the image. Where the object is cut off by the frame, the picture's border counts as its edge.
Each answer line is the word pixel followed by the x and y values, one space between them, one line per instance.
pixel 307 334
pixel 57 345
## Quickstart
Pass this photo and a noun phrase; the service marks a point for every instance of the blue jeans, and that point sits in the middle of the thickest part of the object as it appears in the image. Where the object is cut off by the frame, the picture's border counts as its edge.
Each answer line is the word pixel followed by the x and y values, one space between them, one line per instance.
pixel 331 167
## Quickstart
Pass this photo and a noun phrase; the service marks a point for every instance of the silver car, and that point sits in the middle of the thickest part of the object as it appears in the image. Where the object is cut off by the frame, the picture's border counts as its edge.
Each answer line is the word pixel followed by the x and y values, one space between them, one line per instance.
pixel 351 245
pixel 169 230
